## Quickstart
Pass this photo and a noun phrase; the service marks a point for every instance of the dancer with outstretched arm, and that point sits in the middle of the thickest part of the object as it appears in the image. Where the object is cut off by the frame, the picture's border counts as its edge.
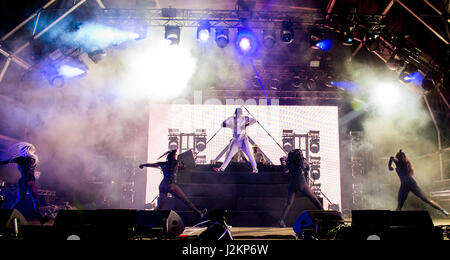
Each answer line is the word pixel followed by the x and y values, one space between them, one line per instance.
pixel 298 167
pixel 169 183
pixel 238 123
pixel 405 172
pixel 23 154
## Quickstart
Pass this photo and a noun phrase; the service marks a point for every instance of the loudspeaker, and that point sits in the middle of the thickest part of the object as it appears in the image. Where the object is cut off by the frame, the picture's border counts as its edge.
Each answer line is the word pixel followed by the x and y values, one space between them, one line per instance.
pixel 75 224
pixel 392 225
pixel 317 223
pixel 105 224
pixel 159 223
pixel 371 219
pixel 187 158
pixel 116 224
pixel 8 220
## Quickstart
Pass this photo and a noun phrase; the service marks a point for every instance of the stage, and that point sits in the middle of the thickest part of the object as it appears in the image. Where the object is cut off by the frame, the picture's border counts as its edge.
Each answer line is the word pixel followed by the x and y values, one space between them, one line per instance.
pixel 237 233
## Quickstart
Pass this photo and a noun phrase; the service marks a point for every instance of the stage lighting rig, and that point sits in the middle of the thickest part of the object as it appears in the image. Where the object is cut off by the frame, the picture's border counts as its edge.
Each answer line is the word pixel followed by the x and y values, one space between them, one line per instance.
pixel 172 34
pixel 222 37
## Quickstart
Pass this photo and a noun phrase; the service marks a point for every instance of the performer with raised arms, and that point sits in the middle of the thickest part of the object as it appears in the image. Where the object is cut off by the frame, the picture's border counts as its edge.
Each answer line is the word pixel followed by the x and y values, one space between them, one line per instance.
pixel 238 123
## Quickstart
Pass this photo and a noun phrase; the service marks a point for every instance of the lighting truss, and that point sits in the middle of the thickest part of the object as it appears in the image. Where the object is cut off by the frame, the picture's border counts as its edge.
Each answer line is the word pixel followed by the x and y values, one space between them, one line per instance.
pixel 217 18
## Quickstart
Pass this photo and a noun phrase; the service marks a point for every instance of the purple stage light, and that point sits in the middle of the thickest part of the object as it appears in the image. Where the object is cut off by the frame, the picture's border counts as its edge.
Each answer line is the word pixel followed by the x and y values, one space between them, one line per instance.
pixel 70 72
pixel 246 42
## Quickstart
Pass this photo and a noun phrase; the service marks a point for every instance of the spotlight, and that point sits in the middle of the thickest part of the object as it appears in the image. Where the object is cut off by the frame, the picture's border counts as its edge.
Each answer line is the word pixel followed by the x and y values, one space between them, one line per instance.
pixel 54 78
pixel 275 84
pixel 296 82
pixel 204 31
pixel 269 38
pixel 346 37
pixel 222 38
pixel 324 45
pixel 287 32
pixel 411 75
pixel 68 71
pixel 141 30
pixel 246 42
pixel 97 55
pixel 172 34
pixel 428 83
pixel 395 63
pixel 315 37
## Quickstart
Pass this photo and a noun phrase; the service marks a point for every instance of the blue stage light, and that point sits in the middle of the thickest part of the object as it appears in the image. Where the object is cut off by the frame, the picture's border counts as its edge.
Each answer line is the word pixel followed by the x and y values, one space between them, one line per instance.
pixel 68 71
pixel 246 42
pixel 204 31
pixel 324 45
pixel 416 78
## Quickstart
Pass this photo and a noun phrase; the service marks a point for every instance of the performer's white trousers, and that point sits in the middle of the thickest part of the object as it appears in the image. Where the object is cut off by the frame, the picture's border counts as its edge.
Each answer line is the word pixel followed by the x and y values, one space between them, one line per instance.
pixel 237 144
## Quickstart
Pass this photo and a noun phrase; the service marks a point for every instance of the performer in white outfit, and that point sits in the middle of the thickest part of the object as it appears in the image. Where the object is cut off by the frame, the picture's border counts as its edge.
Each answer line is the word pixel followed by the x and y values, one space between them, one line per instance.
pixel 238 123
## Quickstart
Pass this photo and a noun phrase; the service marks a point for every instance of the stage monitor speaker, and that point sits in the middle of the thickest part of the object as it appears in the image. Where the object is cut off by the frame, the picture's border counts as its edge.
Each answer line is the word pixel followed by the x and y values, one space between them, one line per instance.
pixel 187 158
pixel 159 223
pixel 76 225
pixel 317 222
pixel 10 221
pixel 392 225
pixel 105 224
pixel 417 219
pixel 115 224
pixel 371 219
pixel 413 225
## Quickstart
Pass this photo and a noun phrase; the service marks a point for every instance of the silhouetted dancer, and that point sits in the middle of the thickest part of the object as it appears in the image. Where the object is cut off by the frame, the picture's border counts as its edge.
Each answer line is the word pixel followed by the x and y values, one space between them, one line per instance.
pixel 298 167
pixel 405 172
pixel 168 185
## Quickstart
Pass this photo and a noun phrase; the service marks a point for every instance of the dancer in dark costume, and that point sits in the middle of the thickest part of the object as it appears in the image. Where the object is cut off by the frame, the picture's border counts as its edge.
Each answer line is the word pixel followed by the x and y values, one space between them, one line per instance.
pixel 298 167
pixel 405 172
pixel 26 161
pixel 168 184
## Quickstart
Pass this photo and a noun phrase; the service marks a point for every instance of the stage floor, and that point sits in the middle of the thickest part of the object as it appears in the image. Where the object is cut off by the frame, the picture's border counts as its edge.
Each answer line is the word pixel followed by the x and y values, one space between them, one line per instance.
pixel 258 233
pixel 272 233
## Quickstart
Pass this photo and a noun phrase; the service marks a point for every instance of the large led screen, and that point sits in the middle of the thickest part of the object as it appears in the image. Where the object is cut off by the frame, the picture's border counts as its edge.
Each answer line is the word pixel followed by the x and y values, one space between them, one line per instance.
pixel 314 129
